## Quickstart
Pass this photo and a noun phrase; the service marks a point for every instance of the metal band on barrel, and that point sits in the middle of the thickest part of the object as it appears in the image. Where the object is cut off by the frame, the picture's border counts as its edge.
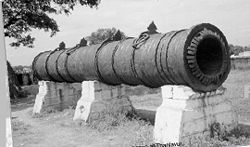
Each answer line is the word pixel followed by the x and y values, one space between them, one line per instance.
pixel 113 61
pixel 46 67
pixel 96 60
pixel 66 68
pixel 57 69
pixel 156 52
pixel 132 64
pixel 33 65
pixel 171 79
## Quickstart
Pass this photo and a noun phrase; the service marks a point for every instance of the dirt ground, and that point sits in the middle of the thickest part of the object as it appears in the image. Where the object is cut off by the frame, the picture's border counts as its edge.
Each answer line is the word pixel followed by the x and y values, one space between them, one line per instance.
pixel 56 129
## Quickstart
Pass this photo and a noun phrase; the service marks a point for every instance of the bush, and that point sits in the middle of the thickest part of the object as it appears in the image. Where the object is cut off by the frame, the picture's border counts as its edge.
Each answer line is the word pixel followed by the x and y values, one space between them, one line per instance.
pixel 221 137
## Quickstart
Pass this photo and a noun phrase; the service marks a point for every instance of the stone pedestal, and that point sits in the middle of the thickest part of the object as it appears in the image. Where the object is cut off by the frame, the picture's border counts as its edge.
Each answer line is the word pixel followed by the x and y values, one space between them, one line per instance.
pixel 56 96
pixel 83 106
pixel 185 116
pixel 98 98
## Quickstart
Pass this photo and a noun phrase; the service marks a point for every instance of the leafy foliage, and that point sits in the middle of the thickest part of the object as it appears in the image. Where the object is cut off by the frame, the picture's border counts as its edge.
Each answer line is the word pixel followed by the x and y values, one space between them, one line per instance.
pixel 102 34
pixel 14 86
pixel 21 16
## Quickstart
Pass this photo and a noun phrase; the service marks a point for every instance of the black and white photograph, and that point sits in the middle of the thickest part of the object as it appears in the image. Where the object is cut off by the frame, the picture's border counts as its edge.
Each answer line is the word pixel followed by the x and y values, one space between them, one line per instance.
pixel 125 73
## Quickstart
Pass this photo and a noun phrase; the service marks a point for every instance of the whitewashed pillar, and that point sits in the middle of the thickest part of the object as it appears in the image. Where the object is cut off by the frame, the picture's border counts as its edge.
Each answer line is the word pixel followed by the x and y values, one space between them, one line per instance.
pixel 83 106
pixel 169 114
pixel 40 97
pixel 5 117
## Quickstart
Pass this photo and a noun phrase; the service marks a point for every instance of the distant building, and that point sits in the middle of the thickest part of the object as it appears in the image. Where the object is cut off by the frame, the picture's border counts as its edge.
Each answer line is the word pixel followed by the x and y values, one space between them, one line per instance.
pixel 25 76
pixel 242 54
pixel 245 54
pixel 241 61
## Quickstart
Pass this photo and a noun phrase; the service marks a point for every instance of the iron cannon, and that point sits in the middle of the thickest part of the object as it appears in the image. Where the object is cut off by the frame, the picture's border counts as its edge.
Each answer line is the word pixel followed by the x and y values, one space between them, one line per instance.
pixel 197 57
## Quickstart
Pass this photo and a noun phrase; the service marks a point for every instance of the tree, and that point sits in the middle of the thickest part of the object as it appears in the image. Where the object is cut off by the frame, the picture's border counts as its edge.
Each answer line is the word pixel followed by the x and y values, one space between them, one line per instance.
pixel 21 16
pixel 102 34
pixel 14 86
pixel 235 49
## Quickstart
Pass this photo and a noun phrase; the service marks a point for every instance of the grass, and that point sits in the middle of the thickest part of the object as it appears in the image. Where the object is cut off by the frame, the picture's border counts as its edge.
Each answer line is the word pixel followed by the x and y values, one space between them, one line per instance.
pixel 115 129
pixel 22 134
pixel 221 137
pixel 23 103
pixel 18 125
pixel 112 130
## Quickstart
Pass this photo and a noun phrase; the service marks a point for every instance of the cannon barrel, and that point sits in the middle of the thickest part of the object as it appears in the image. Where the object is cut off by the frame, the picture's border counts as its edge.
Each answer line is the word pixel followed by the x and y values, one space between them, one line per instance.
pixel 197 57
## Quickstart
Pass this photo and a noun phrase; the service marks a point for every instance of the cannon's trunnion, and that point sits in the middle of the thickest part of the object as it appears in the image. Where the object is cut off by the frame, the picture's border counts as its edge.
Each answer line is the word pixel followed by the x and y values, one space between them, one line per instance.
pixel 197 57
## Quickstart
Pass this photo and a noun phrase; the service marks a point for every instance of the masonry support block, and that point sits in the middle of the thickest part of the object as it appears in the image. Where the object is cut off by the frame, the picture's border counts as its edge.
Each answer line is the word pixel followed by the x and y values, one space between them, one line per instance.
pixel 57 96
pixel 98 98
pixel 185 115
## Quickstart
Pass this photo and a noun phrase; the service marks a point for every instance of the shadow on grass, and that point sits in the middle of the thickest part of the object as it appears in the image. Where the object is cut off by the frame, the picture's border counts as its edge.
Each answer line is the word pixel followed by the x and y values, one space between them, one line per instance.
pixel 243 130
pixel 23 103
pixel 147 115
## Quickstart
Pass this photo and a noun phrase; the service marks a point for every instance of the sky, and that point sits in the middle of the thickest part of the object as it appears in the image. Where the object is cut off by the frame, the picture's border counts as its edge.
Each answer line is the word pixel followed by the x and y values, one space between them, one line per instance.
pixel 132 17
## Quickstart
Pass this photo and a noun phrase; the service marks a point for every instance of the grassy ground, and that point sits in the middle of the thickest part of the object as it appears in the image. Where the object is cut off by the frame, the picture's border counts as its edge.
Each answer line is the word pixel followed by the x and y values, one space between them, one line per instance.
pixel 56 129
